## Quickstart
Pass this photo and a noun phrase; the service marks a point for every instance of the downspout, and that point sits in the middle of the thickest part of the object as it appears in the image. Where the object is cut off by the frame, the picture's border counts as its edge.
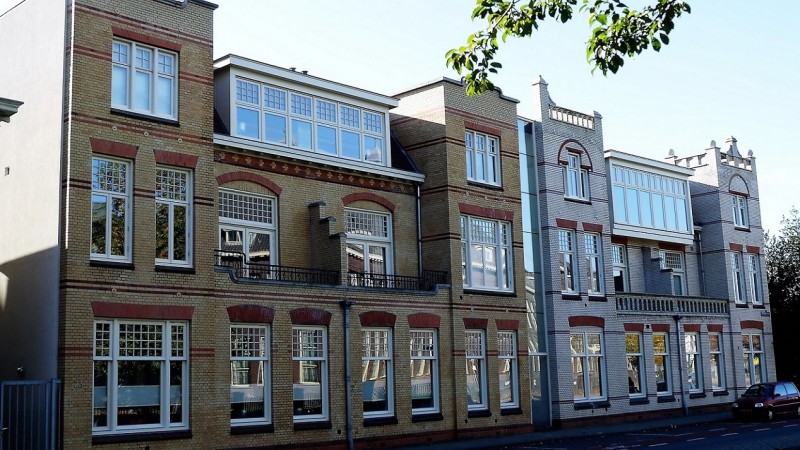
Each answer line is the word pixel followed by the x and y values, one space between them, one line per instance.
pixel 699 246
pixel 419 232
pixel 346 304
pixel 680 363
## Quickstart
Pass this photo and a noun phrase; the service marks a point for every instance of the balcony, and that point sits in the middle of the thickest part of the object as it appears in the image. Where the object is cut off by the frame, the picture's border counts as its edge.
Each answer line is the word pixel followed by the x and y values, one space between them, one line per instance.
pixel 427 282
pixel 669 304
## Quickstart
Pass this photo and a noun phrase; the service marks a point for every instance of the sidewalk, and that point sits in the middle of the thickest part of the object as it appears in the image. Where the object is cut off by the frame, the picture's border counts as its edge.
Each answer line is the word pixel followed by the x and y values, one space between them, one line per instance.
pixel 551 435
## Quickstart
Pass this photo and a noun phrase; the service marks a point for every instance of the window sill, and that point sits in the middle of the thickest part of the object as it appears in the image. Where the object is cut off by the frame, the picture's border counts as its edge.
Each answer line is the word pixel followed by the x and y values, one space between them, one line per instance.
pixel 512 411
pixel 141 436
pixel 479 413
pixel 697 395
pixel 639 401
pixel 720 393
pixel 376 421
pixel 135 115
pixel 426 417
pixel 597 298
pixel 571 296
pixel 111 264
pixel 492 293
pixel 581 405
pixel 759 306
pixel 742 305
pixel 582 201
pixel 252 429
pixel 741 228
pixel 666 398
pixel 320 425
pixel 175 269
pixel 494 187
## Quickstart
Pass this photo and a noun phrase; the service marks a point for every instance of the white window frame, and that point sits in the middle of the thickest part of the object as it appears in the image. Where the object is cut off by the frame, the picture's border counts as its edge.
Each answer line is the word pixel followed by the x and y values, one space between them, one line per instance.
pixel 172 348
pixel 378 350
pixel 619 260
pixel 369 229
pixel 576 178
pixel 163 198
pixel 588 360
pixel 475 351
pixel 567 260
pixel 319 355
pixel 113 192
pixel 492 239
pixel 741 219
pixel 666 358
pixel 245 213
pixel 594 263
pixel 716 361
pixel 634 359
pixel 157 71
pixel 244 350
pixel 482 151
pixel 663 194
pixel 753 353
pixel 693 358
pixel 753 264
pixel 676 264
pixel 425 350
pixel 737 278
pixel 508 368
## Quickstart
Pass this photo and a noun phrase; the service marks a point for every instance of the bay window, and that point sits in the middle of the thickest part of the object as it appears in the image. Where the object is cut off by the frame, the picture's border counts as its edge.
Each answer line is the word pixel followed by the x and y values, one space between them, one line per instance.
pixel 650 200
pixel 486 254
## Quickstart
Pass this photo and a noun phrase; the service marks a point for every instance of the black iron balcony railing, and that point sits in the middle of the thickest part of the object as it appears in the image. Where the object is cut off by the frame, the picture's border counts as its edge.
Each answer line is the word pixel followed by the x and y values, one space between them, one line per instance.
pixel 671 304
pixel 427 282
pixel 248 270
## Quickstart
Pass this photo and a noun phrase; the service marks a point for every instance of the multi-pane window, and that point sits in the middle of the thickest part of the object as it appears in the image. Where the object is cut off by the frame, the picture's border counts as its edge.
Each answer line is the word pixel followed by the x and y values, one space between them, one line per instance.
pixel 594 269
pixel 483 164
pixel 661 368
pixel 694 372
pixel 739 293
pixel 634 360
pixel 486 257
pixel 619 260
pixel 576 178
pixel 424 372
pixel 753 358
pixel 754 278
pixel 144 79
pixel 508 369
pixel 716 361
pixel 587 365
pixel 740 216
pixel 140 376
pixel 475 346
pixel 173 216
pixel 650 200
pixel 369 247
pixel 673 261
pixel 111 210
pixel 279 116
pixel 377 372
pixel 310 373
pixel 247 232
pixel 566 249
pixel 250 375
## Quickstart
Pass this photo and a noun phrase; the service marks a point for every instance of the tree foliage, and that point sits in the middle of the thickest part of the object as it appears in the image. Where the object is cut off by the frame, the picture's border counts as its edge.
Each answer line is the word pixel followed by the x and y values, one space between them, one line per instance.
pixel 617 32
pixel 783 279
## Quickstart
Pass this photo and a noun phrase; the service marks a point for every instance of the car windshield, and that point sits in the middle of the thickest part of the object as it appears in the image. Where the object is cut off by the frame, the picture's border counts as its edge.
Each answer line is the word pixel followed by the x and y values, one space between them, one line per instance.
pixel 759 390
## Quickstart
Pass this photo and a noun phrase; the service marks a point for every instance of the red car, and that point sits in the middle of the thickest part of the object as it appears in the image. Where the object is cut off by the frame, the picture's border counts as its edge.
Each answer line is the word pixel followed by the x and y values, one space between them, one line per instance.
pixel 765 400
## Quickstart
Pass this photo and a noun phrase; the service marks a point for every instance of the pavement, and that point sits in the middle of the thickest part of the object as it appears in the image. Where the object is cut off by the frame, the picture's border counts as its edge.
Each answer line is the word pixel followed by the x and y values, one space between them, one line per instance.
pixel 553 435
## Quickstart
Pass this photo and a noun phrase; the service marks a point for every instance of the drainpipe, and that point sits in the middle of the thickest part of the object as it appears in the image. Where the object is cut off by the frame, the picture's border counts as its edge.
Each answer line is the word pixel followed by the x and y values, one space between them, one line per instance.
pixel 346 304
pixel 680 363
pixel 419 232
pixel 699 247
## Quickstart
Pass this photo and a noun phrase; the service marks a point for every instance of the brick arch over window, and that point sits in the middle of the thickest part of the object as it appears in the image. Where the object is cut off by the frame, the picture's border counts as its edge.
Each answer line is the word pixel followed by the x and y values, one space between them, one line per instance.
pixel 370 197
pixel 586 321
pixel 423 320
pixel 247 176
pixel 251 313
pixel 377 319
pixel 310 316
pixel 737 185
pixel 573 146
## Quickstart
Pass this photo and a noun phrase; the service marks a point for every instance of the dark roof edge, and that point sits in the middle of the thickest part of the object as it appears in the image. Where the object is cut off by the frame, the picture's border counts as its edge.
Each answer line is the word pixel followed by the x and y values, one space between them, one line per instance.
pixel 457 83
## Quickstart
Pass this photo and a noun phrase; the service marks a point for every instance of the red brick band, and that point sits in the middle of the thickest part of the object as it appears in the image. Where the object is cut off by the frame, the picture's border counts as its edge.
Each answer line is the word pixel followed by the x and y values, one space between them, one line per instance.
pixel 691 327
pixel 586 321
pixel 423 320
pixel 145 39
pixel 175 159
pixel 112 148
pixel 490 213
pixel 634 327
pixel 593 227
pixel 370 197
pixel 565 223
pixel 251 313
pixel 475 324
pixel 753 249
pixel 660 327
pixel 757 324
pixel 716 328
pixel 137 311
pixel 310 316
pixel 377 319
pixel 483 129
pixel 507 324
pixel 247 176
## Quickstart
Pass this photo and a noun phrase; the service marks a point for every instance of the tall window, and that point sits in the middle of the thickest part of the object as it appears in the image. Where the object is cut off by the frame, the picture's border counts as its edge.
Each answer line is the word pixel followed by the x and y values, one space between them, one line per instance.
pixel 508 369
pixel 247 231
pixel 250 375
pixel 477 395
pixel 661 363
pixel 754 278
pixel 310 373
pixel 369 247
pixel 650 200
pixel 424 372
pixel 486 256
pixel 111 206
pixel 753 358
pixel 279 116
pixel 716 361
pixel 633 355
pixel 173 216
pixel 576 178
pixel 694 369
pixel 483 164
pixel 140 376
pixel 673 261
pixel 377 372
pixel 566 249
pixel 594 266
pixel 739 293
pixel 144 79
pixel 740 217
pixel 587 365
pixel 619 259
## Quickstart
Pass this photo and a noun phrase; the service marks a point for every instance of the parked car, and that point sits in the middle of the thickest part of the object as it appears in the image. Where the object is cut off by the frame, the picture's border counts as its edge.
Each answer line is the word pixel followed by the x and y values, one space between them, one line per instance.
pixel 765 400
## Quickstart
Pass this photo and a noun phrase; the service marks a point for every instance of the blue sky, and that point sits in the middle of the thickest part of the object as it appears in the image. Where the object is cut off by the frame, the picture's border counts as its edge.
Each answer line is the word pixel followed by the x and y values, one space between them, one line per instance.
pixel 731 69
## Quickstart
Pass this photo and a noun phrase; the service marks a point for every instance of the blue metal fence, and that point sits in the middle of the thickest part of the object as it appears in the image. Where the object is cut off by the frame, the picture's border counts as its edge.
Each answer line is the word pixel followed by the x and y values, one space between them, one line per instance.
pixel 30 415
